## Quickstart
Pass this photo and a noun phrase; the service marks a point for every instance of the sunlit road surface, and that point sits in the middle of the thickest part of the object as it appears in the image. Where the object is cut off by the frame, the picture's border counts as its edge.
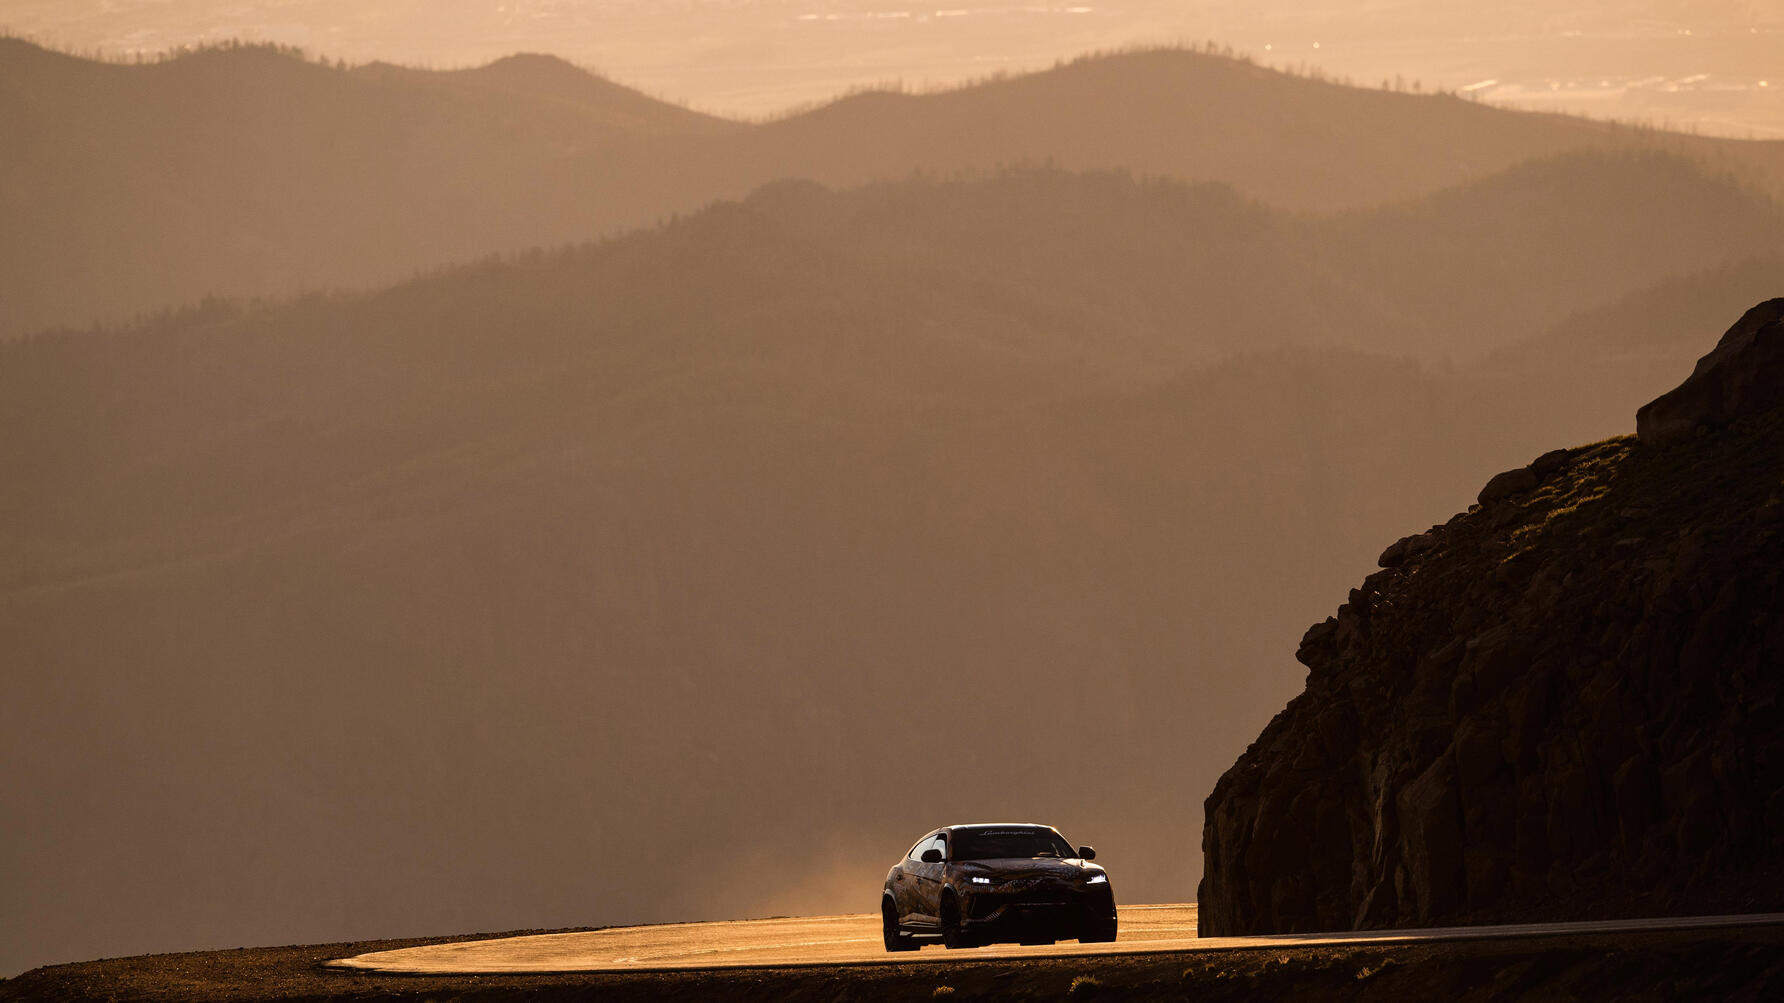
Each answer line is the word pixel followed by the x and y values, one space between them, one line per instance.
pixel 855 940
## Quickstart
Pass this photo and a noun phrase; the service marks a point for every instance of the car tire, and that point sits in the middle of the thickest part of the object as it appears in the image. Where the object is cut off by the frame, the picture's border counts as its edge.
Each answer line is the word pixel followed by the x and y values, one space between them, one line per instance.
pixel 953 933
pixel 895 941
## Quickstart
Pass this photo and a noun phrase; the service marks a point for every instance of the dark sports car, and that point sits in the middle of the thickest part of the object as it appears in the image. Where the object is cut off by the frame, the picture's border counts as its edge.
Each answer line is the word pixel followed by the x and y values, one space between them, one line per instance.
pixel 970 885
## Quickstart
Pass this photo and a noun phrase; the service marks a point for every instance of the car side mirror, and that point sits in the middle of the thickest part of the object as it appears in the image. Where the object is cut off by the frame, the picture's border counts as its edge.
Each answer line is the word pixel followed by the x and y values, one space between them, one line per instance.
pixel 932 856
pixel 1087 852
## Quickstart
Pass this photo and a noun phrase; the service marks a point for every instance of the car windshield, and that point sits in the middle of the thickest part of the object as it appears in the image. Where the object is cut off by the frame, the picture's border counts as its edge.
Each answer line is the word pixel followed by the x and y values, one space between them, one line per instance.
pixel 1000 844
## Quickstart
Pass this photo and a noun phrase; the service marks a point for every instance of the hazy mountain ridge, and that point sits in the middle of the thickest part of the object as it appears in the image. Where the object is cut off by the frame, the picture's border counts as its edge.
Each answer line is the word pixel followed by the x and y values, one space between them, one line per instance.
pixel 1037 285
pixel 399 549
pixel 1511 253
pixel 248 171
pixel 1145 261
pixel 1291 141
pixel 1643 328
pixel 548 80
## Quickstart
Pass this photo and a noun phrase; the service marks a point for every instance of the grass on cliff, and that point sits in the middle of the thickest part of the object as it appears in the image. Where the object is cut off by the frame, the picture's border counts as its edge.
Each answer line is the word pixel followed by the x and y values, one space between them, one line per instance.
pixel 1617 489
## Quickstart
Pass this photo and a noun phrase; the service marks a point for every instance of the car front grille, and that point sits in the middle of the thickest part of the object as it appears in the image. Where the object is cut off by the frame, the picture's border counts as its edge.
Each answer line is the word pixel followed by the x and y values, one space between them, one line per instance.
pixel 1040 898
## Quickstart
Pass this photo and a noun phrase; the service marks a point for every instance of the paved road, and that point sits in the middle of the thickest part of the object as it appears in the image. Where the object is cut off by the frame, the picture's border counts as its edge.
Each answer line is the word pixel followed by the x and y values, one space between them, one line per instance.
pixel 855 939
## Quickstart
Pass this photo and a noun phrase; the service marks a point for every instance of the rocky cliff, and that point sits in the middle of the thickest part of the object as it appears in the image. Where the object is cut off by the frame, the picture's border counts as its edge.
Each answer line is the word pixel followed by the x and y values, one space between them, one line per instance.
pixel 1563 702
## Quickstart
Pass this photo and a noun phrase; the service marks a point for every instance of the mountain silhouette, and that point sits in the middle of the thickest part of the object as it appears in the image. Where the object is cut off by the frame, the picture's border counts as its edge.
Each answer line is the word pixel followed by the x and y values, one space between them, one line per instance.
pixel 533 85
pixel 1192 270
pixel 248 171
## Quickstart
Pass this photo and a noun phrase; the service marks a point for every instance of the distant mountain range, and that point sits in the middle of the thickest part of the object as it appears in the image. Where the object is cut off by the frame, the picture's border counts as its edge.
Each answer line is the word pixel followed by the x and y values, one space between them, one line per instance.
pixel 567 588
pixel 247 171
pixel 1190 272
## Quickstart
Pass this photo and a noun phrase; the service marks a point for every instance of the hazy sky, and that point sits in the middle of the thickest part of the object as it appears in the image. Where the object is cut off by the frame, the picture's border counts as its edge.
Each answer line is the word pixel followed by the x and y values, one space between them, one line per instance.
pixel 1691 63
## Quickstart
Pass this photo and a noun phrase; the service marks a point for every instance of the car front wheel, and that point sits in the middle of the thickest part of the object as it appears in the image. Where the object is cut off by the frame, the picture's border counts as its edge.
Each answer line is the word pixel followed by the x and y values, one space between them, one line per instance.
pixel 953 934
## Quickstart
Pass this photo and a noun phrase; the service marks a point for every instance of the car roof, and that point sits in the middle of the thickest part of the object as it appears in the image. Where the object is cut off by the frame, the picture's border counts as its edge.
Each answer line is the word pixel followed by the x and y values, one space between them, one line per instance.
pixel 998 825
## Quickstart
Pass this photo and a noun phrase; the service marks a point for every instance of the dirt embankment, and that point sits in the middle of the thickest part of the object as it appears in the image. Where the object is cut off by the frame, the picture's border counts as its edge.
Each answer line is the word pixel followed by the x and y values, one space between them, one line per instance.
pixel 1731 964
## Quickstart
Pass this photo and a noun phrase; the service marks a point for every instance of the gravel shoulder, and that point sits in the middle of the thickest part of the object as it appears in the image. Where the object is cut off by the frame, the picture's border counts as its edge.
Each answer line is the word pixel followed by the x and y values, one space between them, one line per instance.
pixel 1743 963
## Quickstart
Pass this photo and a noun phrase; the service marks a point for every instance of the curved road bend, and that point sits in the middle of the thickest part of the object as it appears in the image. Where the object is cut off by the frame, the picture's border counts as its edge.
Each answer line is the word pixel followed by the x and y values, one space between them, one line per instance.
pixel 855 940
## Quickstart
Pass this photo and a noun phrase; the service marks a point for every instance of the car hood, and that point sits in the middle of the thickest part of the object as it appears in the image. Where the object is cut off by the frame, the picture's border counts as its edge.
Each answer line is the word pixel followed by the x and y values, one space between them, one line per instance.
pixel 1029 867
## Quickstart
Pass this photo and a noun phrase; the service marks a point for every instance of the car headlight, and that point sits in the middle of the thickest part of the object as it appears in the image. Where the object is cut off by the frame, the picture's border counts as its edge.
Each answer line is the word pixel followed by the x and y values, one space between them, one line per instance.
pixel 1097 879
pixel 981 881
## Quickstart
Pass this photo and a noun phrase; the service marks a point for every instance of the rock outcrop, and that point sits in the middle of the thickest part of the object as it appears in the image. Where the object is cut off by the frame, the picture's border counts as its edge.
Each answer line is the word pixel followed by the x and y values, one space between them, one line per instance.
pixel 1743 375
pixel 1562 703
